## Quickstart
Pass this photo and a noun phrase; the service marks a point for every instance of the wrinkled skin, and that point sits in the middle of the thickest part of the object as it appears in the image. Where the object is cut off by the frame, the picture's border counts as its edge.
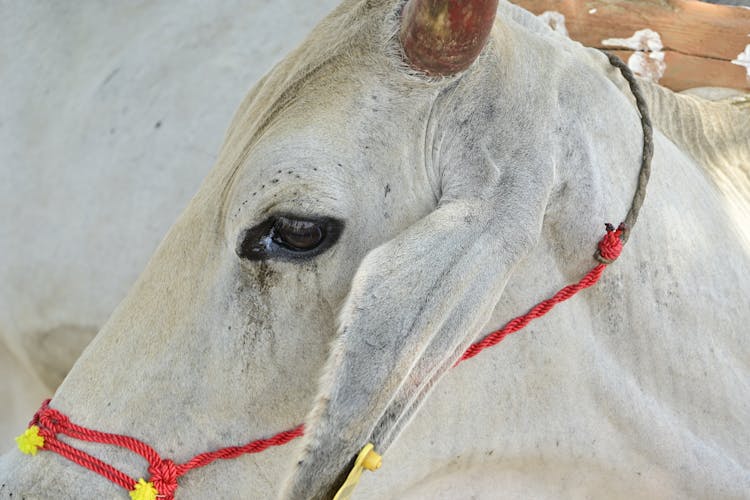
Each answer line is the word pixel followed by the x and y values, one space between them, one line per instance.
pixel 464 201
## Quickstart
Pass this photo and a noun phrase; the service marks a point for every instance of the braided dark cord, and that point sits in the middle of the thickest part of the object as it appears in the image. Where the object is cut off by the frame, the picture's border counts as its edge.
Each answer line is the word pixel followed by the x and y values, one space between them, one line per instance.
pixel 648 146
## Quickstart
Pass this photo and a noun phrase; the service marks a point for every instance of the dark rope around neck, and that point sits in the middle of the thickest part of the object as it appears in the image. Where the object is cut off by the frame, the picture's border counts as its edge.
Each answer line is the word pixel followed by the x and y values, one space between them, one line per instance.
pixel 648 145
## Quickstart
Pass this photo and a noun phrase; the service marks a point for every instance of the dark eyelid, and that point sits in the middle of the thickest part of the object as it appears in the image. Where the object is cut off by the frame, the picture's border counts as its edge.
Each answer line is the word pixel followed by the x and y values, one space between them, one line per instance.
pixel 256 242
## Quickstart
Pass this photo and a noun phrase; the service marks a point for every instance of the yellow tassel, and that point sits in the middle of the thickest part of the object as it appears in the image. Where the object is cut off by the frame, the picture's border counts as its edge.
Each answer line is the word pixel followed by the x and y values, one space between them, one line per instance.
pixel 143 491
pixel 30 441
pixel 368 459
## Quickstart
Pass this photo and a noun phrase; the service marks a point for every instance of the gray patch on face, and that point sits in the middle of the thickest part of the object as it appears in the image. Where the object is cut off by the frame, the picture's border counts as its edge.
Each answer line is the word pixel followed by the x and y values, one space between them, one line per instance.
pixel 251 306
pixel 265 277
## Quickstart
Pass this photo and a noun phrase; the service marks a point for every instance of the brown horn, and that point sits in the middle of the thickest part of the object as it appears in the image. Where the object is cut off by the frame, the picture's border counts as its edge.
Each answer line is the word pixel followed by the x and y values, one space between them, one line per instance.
pixel 443 37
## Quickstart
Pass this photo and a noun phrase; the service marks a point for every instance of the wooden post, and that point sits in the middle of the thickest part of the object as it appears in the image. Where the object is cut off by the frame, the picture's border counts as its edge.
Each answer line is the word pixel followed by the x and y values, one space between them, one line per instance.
pixel 700 39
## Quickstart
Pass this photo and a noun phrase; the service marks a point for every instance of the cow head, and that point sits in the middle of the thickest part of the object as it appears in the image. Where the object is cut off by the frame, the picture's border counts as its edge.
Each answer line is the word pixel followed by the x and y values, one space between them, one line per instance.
pixel 373 195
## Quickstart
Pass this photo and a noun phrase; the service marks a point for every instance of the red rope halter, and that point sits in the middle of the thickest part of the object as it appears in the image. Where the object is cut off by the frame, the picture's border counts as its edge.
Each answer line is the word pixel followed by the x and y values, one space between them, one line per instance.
pixel 610 247
pixel 48 422
pixel 164 472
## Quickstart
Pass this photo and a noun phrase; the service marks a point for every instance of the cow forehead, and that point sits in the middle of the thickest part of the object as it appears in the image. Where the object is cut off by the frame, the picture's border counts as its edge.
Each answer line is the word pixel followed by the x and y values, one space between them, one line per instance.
pixel 332 157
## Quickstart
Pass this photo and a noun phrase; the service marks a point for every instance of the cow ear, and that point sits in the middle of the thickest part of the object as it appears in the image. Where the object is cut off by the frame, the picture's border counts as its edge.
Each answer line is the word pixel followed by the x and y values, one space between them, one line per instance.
pixel 443 37
pixel 416 303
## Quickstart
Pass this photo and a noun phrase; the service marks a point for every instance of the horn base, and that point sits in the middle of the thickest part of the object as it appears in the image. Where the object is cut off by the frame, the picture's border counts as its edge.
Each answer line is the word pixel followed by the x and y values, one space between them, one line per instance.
pixel 443 37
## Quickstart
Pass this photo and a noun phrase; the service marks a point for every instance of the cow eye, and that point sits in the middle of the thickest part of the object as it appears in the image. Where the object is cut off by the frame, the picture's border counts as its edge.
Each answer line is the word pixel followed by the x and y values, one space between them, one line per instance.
pixel 297 235
pixel 289 237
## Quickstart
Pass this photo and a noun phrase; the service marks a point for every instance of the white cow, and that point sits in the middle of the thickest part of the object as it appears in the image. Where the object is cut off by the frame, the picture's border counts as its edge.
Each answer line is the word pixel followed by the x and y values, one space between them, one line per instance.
pixel 365 223
pixel 111 115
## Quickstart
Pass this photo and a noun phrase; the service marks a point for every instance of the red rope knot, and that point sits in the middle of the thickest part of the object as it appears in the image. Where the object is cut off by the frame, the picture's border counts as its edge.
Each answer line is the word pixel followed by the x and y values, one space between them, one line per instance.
pixel 164 475
pixel 43 408
pixel 610 245
pixel 50 420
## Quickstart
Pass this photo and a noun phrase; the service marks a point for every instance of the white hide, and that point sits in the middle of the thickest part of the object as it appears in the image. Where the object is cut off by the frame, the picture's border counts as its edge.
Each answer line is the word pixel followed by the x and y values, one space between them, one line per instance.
pixel 111 115
pixel 725 94
pixel 555 20
pixel 636 388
